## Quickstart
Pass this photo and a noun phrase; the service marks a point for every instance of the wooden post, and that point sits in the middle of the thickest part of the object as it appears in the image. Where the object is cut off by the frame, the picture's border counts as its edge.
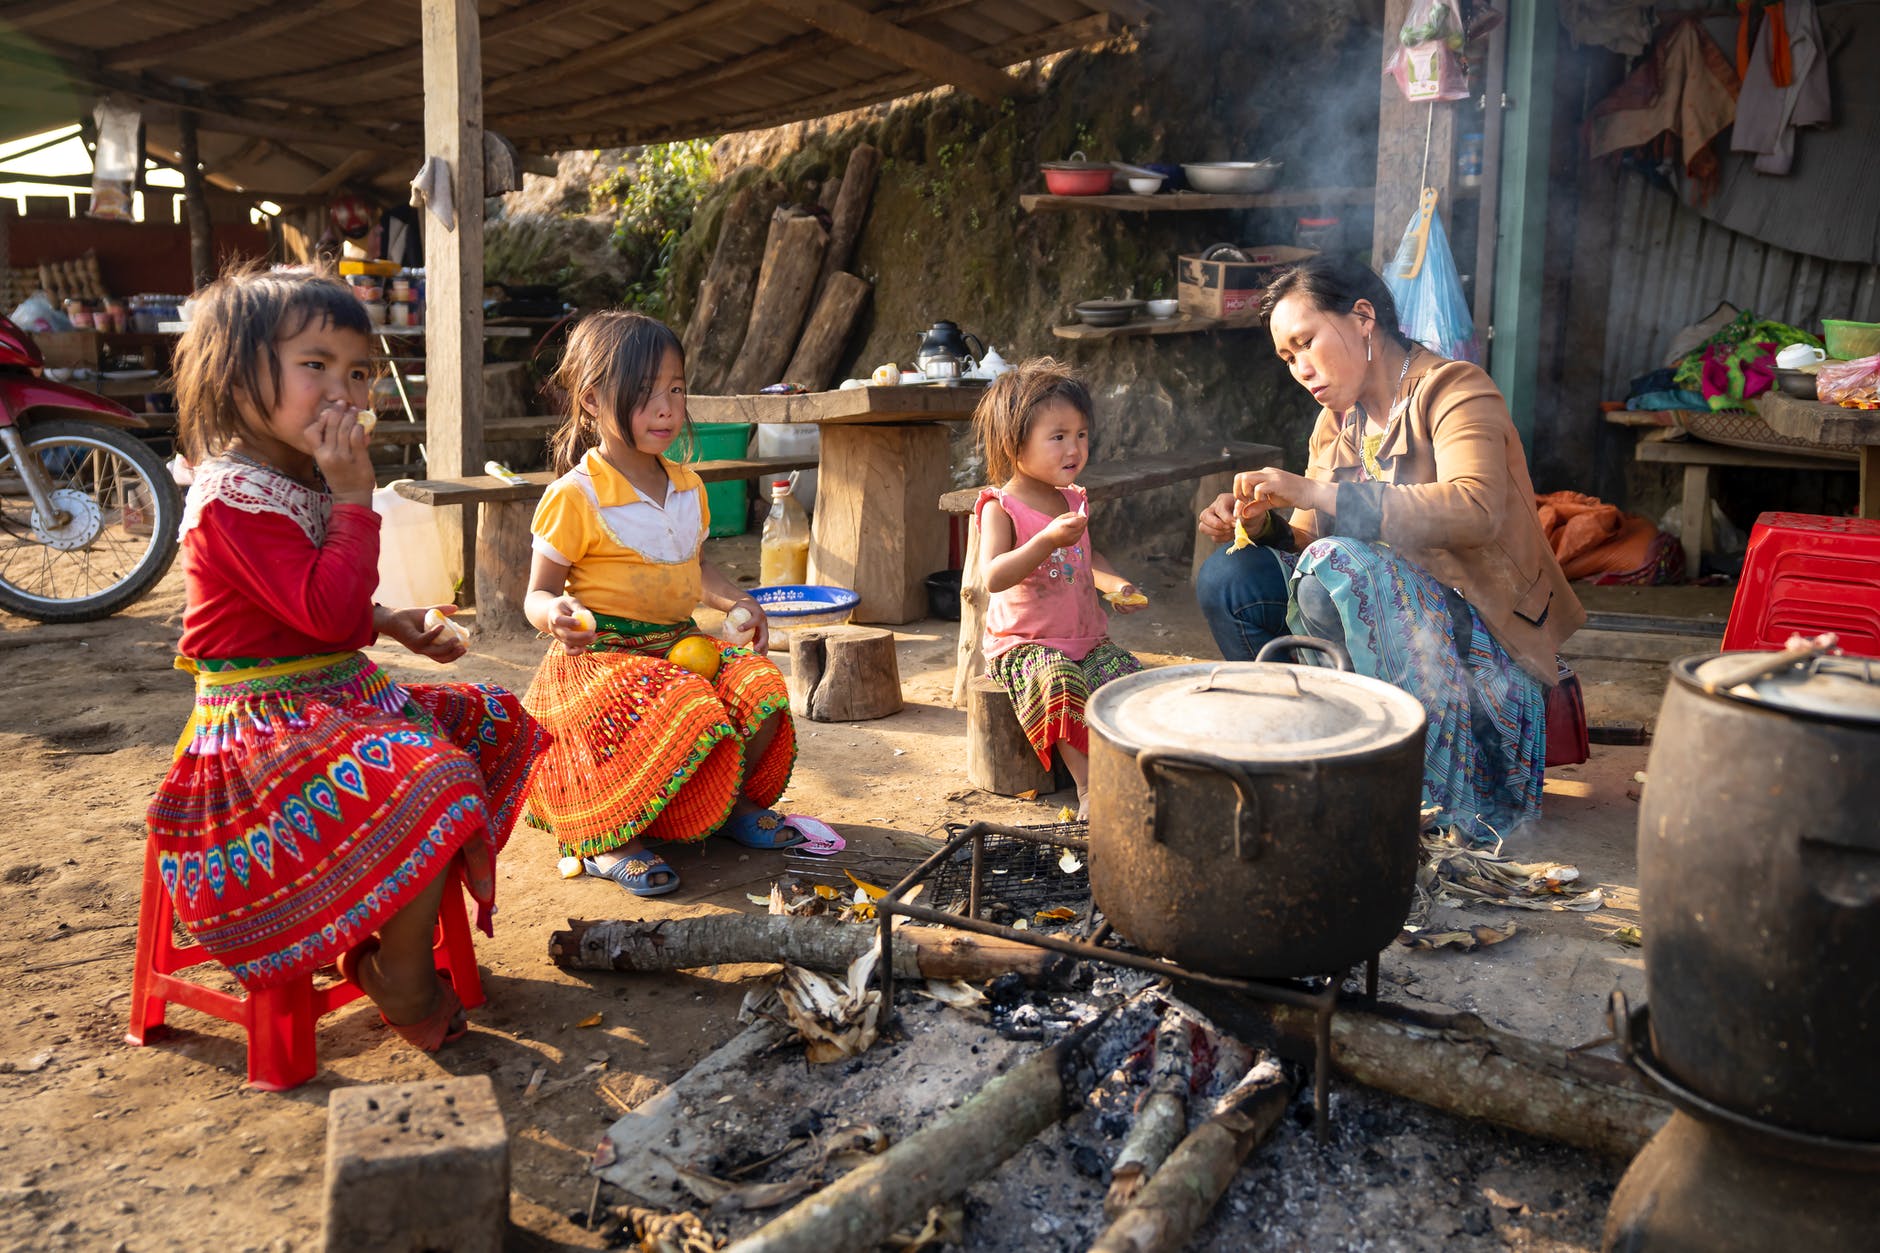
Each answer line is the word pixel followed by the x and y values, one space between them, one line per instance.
pixel 826 333
pixel 969 651
pixel 502 563
pixel 1533 34
pixel 453 262
pixel 878 498
pixel 792 257
pixel 1870 481
pixel 196 205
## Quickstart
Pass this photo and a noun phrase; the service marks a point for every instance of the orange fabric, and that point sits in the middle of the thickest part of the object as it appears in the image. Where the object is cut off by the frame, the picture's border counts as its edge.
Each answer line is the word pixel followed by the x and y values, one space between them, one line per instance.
pixel 1743 40
pixel 1781 59
pixel 1590 537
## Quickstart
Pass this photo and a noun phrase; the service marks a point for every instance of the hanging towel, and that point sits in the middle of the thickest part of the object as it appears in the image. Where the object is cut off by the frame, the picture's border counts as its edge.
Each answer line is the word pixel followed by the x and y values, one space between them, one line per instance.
pixel 430 189
pixel 1768 113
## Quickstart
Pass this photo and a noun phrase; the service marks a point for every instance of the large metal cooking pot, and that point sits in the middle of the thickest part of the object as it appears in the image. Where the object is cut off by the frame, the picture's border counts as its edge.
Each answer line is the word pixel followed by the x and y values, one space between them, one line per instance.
pixel 1255 819
pixel 1759 888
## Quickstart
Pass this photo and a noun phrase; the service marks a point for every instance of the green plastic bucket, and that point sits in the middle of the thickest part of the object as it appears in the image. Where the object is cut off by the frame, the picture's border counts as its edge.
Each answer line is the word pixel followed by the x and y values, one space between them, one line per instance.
pixel 729 501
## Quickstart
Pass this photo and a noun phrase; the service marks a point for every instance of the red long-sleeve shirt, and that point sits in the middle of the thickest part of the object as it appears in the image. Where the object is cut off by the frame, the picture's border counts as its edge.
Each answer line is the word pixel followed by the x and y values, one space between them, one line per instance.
pixel 258 587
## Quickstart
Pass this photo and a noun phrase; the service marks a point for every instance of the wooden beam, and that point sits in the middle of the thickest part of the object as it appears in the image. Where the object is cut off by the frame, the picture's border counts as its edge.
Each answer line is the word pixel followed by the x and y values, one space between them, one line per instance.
pixel 1069 35
pixel 71 67
pixel 268 20
pixel 660 31
pixel 196 208
pixel 453 257
pixel 27 15
pixel 338 175
pixel 385 65
pixel 895 43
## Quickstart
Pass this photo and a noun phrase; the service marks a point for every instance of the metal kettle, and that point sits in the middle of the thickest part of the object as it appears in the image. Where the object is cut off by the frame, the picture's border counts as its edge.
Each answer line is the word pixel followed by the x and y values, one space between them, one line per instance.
pixel 942 353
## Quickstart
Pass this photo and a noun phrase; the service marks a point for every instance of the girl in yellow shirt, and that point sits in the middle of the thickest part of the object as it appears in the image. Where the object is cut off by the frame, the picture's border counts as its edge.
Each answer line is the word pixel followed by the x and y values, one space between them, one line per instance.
pixel 644 749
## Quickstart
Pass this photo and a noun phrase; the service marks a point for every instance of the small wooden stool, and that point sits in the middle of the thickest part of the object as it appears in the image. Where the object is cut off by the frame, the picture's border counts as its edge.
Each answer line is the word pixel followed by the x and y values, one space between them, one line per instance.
pixel 999 759
pixel 844 674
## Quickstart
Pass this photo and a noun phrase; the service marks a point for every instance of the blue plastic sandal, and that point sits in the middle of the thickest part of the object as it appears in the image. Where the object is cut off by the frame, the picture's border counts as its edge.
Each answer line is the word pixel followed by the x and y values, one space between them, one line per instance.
pixel 635 874
pixel 762 828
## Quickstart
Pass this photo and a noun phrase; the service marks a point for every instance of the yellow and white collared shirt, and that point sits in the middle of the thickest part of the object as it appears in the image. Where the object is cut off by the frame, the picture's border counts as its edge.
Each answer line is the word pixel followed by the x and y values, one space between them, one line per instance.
pixel 628 556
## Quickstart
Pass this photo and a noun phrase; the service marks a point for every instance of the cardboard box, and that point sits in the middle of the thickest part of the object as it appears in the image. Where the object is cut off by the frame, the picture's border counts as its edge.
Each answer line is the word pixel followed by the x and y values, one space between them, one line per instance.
pixel 1225 289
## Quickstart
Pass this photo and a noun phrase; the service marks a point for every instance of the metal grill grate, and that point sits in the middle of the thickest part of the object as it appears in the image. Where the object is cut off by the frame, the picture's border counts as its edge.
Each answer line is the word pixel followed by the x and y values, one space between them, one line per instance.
pixel 1018 877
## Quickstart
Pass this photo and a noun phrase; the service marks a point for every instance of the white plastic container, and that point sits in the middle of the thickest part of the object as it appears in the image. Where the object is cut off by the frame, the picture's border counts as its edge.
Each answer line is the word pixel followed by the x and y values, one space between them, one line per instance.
pixel 411 553
pixel 793 439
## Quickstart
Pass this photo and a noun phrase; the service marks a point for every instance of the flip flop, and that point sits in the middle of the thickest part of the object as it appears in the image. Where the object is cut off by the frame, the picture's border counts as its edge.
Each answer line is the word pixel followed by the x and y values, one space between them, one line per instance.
pixel 635 874
pixel 441 1026
pixel 763 828
pixel 819 838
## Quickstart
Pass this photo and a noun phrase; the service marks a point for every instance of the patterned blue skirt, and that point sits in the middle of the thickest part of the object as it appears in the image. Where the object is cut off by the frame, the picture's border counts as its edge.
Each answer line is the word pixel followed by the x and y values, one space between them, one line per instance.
pixel 1398 628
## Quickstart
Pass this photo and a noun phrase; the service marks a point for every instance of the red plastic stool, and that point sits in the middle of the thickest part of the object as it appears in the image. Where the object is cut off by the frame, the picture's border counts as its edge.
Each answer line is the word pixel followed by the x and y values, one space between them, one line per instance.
pixel 280 1021
pixel 1805 574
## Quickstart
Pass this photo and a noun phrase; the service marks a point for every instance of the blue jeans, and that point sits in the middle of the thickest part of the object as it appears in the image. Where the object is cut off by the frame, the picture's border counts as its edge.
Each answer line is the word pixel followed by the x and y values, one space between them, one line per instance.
pixel 1244 597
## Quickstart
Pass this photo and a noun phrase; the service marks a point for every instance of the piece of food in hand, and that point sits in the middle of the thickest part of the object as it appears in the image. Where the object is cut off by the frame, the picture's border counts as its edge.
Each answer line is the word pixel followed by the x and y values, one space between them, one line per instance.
pixel 1126 598
pixel 740 624
pixel 1241 538
pixel 367 420
pixel 584 619
pixel 697 654
pixel 434 619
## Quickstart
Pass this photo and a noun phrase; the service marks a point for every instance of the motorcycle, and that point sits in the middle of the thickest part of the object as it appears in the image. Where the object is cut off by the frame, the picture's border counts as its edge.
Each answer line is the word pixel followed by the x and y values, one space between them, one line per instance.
pixel 88 513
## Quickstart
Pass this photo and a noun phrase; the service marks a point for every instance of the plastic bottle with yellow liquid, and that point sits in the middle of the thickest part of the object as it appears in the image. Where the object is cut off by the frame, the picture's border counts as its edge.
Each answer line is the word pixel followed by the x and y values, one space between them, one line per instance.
pixel 783 554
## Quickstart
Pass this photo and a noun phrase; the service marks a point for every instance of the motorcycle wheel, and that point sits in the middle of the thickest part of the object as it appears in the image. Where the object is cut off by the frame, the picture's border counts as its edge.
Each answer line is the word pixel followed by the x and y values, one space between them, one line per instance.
pixel 119 536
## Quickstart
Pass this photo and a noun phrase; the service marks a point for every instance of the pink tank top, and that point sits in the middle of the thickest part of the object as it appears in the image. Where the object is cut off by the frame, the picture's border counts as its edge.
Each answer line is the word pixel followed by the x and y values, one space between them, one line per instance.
pixel 1056 604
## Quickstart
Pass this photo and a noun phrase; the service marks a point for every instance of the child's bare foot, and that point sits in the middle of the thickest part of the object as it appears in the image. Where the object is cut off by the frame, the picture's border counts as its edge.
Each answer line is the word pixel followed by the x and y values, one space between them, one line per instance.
pixel 1083 805
pixel 425 1011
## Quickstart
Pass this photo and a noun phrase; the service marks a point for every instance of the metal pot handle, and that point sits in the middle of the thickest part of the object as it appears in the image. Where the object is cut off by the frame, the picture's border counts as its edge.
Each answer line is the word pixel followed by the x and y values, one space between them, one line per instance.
pixel 1313 643
pixel 1247 833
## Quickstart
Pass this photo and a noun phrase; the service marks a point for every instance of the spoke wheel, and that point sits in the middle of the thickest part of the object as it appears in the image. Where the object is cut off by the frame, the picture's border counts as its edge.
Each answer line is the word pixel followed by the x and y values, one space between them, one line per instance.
pixel 113 531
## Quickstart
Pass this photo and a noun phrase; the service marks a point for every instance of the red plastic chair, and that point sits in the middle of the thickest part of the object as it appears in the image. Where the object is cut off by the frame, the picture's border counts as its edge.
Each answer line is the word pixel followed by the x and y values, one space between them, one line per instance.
pixel 280 1021
pixel 1804 574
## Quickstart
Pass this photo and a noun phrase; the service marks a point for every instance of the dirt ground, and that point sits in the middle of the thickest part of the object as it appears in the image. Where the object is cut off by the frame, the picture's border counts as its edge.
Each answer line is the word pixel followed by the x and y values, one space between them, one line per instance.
pixel 105 1146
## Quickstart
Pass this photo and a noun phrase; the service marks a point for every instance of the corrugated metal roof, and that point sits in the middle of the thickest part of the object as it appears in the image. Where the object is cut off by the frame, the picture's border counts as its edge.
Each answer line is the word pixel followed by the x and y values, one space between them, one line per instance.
pixel 1671 267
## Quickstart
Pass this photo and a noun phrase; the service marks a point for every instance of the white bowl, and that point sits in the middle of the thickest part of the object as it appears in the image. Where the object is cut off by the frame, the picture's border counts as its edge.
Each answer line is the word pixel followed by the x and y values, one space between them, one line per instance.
pixel 1163 308
pixel 1145 186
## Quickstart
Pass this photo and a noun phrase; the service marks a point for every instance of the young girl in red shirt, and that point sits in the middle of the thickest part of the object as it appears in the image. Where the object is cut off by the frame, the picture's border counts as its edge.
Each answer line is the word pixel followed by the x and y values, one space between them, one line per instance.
pixel 315 803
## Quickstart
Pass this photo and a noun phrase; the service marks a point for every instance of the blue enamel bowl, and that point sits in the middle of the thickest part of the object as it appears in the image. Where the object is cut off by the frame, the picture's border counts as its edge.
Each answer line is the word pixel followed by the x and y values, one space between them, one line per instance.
pixel 792 605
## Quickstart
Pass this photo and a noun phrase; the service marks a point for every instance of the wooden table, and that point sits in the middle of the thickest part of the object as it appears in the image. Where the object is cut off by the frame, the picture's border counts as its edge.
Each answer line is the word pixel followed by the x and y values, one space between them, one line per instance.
pixel 1831 426
pixel 885 461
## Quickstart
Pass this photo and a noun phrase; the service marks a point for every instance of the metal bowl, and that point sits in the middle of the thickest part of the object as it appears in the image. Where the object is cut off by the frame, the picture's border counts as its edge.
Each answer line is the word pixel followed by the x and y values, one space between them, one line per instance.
pixel 1232 177
pixel 1797 383
pixel 1108 312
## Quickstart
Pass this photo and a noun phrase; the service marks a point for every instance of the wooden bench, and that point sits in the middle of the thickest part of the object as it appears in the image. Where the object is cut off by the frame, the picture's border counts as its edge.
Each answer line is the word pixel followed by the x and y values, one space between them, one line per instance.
pixel 1212 473
pixel 1698 459
pixel 505 509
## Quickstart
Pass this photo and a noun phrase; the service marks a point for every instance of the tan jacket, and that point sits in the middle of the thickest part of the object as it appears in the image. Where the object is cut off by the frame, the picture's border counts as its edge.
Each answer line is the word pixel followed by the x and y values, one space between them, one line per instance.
pixel 1455 499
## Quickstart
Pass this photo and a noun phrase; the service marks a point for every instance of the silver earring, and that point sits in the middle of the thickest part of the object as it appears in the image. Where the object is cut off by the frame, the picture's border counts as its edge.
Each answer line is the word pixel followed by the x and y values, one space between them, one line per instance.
pixel 1367 347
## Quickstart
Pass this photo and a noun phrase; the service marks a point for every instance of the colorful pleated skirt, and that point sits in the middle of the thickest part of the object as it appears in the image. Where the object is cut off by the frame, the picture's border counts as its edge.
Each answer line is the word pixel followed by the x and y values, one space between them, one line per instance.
pixel 645 747
pixel 313 798
pixel 1049 690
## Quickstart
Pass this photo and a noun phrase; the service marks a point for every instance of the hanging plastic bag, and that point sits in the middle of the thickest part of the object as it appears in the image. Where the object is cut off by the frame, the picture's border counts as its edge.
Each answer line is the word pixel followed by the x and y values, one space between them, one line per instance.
pixel 1422 278
pixel 1427 58
pixel 115 163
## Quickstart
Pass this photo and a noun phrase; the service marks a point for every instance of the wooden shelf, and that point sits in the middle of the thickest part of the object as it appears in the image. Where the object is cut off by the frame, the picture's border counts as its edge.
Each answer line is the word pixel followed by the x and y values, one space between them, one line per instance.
pixel 1180 324
pixel 1201 201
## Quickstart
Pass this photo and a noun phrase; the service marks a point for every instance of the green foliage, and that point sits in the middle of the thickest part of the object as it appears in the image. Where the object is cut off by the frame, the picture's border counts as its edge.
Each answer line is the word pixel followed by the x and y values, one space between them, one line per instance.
pixel 653 200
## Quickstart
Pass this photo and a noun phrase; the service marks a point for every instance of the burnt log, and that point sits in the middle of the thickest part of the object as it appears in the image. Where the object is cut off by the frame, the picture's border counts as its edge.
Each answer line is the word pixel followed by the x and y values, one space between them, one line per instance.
pixel 715 332
pixel 793 254
pixel 838 307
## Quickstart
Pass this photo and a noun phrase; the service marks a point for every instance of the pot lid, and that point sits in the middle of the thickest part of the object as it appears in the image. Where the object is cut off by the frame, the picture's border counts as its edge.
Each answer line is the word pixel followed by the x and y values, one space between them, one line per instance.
pixel 1847 688
pixel 1254 711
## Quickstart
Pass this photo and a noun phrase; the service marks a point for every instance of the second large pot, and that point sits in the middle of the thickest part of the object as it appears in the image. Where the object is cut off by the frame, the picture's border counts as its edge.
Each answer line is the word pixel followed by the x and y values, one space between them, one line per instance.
pixel 1255 819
